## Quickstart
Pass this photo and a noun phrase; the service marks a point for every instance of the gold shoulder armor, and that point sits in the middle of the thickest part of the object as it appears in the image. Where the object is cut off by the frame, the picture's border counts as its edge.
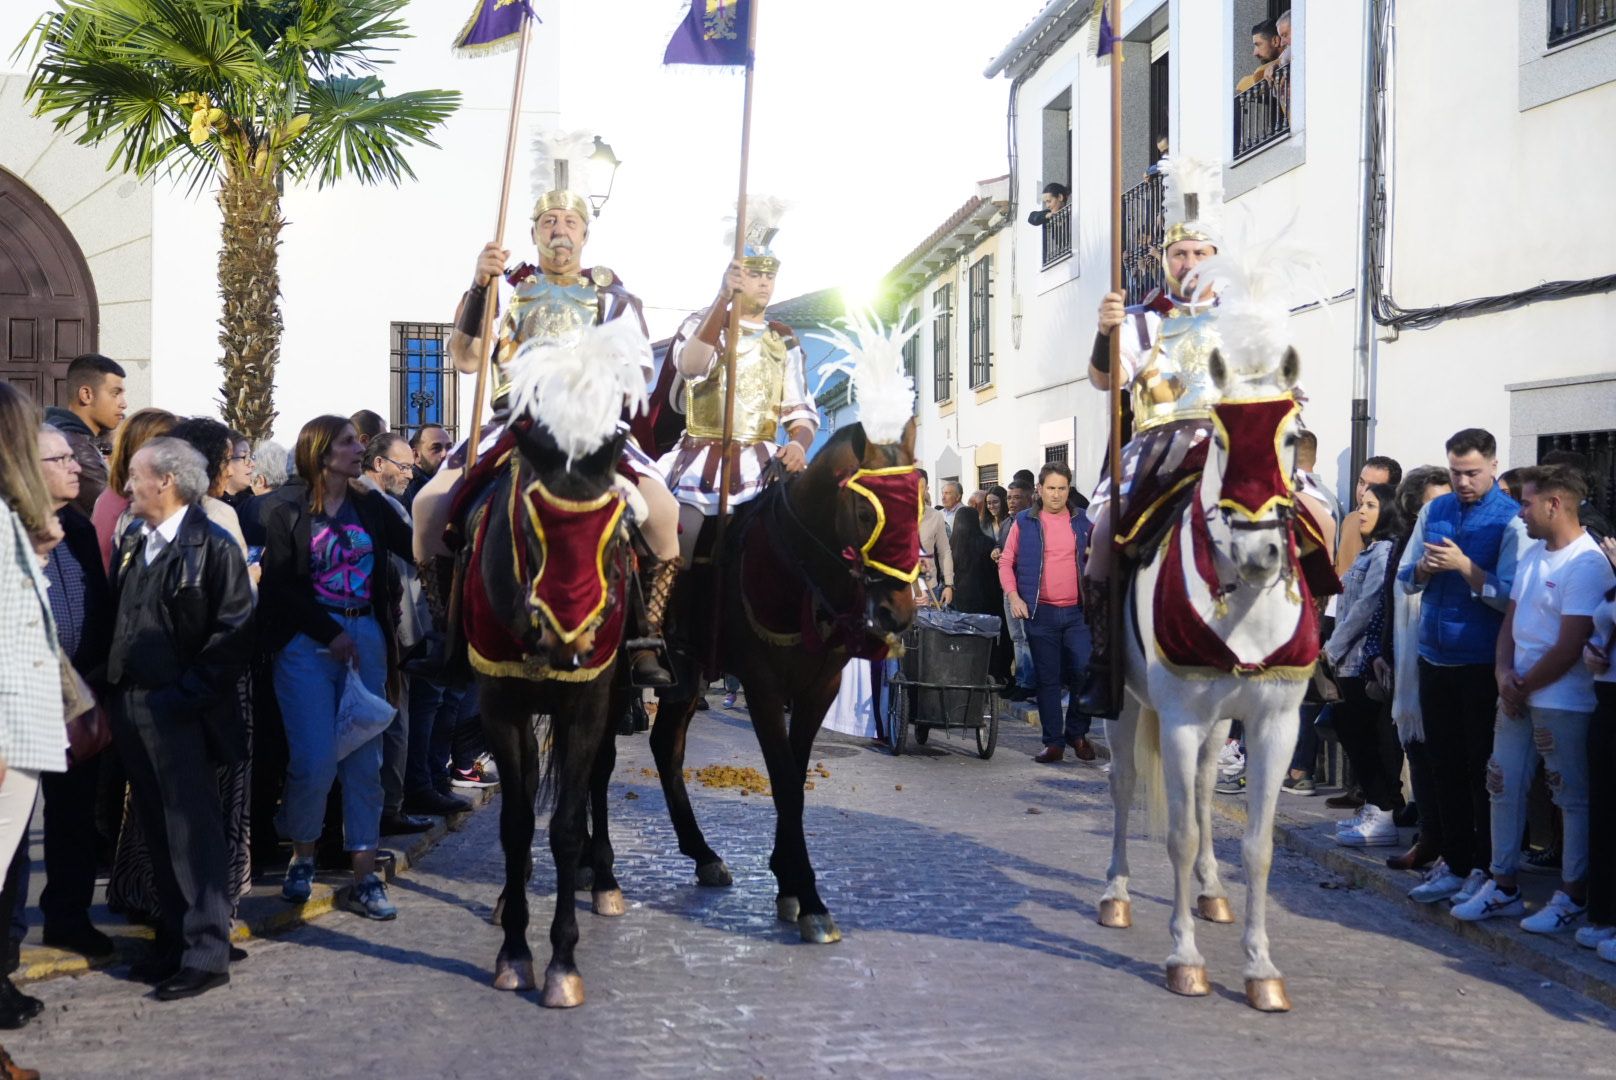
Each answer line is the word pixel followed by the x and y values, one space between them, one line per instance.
pixel 602 277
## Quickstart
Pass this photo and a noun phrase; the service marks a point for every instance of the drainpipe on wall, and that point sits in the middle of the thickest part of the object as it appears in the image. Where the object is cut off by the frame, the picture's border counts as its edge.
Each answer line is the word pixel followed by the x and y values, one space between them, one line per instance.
pixel 1363 342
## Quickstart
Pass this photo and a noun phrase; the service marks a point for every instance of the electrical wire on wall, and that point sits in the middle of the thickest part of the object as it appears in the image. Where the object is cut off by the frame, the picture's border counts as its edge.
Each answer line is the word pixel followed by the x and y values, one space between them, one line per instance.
pixel 1386 310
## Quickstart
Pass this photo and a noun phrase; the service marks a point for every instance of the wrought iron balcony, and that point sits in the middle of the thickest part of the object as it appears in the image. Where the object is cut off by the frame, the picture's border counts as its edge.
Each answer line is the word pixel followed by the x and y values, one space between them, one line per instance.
pixel 1058 236
pixel 1141 238
pixel 1262 114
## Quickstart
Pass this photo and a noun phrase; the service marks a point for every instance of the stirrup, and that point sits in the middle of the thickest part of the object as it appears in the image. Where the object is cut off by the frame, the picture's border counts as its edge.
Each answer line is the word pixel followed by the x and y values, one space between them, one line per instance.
pixel 649 663
pixel 1096 699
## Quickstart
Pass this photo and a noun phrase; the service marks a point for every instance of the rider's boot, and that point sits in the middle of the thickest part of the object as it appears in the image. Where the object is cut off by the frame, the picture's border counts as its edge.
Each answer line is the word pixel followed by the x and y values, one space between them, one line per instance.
pixel 1097 698
pixel 645 665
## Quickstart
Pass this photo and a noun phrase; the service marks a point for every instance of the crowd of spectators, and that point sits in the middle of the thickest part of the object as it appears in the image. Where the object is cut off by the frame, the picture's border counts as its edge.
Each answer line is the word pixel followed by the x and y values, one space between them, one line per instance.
pixel 185 611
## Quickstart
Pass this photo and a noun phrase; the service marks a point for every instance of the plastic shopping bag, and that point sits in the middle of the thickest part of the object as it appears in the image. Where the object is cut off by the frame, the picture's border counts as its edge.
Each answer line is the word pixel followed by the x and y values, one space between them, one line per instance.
pixel 361 715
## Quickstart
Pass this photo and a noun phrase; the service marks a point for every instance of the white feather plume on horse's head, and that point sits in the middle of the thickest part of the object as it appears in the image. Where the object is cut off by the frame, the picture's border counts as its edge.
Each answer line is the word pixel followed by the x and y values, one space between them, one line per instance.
pixel 881 388
pixel 1256 291
pixel 578 388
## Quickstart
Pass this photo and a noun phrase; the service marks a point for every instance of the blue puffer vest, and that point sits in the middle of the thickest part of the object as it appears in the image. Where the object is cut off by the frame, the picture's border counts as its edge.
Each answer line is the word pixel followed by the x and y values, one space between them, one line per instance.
pixel 1455 627
pixel 1029 568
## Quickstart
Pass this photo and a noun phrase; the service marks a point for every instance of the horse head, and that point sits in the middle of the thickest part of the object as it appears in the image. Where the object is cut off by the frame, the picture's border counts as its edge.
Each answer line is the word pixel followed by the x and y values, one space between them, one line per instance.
pixel 1247 489
pixel 860 500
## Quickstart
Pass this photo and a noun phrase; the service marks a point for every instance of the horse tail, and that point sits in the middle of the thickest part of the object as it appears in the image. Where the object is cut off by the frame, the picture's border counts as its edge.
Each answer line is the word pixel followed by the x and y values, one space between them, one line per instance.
pixel 550 750
pixel 1152 780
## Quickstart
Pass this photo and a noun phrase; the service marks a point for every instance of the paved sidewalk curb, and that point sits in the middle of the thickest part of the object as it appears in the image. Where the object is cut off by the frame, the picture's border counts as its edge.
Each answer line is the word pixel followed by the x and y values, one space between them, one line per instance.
pixel 262 912
pixel 1557 958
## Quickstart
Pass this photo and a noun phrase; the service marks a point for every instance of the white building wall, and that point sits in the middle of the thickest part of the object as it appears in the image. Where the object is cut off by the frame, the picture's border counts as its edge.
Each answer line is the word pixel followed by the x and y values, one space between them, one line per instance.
pixel 1491 192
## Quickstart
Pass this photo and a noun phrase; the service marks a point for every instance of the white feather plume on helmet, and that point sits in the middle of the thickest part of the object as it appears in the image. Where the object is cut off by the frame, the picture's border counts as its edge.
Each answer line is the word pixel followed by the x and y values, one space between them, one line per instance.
pixel 551 189
pixel 1192 201
pixel 881 388
pixel 1256 291
pixel 577 388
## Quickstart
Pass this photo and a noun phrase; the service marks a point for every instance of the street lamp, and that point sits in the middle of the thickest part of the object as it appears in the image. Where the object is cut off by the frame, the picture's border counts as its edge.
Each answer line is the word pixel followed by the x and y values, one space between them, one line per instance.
pixel 602 166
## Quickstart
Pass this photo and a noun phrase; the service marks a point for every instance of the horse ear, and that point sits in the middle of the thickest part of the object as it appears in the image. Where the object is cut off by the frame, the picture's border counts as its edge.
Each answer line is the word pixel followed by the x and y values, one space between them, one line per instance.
pixel 1218 370
pixel 860 441
pixel 1290 368
pixel 908 442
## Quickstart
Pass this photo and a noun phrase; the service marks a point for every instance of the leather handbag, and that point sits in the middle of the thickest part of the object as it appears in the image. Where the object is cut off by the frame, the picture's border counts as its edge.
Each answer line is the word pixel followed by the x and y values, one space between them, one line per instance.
pixel 88 730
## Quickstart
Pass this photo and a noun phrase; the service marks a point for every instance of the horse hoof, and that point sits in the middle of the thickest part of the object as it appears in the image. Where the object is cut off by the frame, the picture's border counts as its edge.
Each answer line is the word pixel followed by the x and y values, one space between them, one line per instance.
pixel 562 989
pixel 1188 979
pixel 609 902
pixel 714 875
pixel 1117 914
pixel 1214 909
pixel 818 929
pixel 787 908
pixel 513 974
pixel 1267 995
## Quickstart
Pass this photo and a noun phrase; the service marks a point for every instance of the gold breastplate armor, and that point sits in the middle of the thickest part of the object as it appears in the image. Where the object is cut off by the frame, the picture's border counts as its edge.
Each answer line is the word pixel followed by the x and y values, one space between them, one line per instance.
pixel 1175 383
pixel 547 309
pixel 760 376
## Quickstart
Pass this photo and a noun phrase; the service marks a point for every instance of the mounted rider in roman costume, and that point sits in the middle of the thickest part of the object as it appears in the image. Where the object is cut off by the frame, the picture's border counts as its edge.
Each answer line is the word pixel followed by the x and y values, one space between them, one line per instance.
pixel 771 388
pixel 552 303
pixel 1166 345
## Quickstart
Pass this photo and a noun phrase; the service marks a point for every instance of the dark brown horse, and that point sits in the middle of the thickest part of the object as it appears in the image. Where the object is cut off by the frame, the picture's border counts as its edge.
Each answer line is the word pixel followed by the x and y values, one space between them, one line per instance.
pixel 814 571
pixel 544 613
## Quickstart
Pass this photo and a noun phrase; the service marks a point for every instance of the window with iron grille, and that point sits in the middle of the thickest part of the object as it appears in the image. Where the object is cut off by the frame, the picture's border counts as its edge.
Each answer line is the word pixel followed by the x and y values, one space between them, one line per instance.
pixel 987 476
pixel 981 321
pixel 1572 18
pixel 1060 452
pixel 911 355
pixel 424 382
pixel 942 343
pixel 1598 449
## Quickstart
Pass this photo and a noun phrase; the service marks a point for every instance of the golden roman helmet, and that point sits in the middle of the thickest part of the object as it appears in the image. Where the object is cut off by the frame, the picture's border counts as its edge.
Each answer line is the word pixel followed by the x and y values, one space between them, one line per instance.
pixel 559 158
pixel 763 213
pixel 1192 205
pixel 562 199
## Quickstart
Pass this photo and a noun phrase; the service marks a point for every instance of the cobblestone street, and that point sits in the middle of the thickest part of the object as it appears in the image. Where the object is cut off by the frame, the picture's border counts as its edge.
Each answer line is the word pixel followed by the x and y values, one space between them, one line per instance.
pixel 965 890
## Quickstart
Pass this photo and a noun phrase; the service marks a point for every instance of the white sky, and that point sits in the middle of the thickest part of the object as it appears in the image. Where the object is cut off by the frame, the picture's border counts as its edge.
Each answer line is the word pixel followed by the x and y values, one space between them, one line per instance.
pixel 870 116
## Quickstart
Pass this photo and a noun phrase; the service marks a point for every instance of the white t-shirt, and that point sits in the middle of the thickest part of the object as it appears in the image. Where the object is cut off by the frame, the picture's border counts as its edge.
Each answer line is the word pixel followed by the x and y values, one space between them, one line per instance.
pixel 1548 586
pixel 1604 632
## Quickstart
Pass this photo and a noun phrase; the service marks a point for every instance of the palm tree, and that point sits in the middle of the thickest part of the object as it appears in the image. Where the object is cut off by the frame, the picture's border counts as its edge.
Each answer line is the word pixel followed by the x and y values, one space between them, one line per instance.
pixel 244 94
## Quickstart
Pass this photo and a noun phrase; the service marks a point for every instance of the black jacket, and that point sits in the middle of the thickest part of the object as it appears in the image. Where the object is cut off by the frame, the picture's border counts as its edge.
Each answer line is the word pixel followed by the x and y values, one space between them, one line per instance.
pixel 184 627
pixel 95 637
pixel 287 606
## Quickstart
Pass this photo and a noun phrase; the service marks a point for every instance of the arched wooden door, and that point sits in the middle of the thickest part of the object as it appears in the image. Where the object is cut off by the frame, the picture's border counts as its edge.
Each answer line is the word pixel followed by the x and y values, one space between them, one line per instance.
pixel 48 311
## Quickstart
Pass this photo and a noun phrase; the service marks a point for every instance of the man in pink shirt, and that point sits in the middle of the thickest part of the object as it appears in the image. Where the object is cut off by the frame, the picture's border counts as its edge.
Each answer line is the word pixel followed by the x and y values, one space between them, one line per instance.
pixel 1039 573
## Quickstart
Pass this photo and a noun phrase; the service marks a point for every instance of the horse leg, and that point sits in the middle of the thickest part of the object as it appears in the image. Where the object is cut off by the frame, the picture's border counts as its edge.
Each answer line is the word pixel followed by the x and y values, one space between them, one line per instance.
pixel 1180 745
pixel 668 747
pixel 786 755
pixel 508 728
pixel 1269 744
pixel 1116 906
pixel 1212 903
pixel 606 896
pixel 579 725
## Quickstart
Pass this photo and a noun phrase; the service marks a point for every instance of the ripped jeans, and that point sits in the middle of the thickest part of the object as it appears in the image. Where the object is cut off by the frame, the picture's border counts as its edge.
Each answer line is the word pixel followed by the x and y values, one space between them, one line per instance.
pixel 1561 738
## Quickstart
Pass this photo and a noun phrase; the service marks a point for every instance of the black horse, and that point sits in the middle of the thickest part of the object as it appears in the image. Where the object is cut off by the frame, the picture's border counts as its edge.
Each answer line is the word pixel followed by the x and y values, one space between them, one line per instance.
pixel 545 607
pixel 799 547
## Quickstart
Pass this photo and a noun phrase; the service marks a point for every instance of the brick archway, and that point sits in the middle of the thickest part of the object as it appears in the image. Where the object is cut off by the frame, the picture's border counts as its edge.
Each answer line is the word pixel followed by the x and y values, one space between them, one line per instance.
pixel 48 310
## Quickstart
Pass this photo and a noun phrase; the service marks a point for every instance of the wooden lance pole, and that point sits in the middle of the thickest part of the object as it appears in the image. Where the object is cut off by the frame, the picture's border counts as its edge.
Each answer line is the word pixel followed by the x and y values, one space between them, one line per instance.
pixel 1115 582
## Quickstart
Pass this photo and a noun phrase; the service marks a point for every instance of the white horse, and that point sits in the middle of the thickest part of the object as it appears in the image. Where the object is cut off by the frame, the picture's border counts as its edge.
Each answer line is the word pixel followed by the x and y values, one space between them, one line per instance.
pixel 1244 642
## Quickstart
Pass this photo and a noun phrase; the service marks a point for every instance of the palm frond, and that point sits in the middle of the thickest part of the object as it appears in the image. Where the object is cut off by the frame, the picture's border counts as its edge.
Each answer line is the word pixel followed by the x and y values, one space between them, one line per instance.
pixel 357 129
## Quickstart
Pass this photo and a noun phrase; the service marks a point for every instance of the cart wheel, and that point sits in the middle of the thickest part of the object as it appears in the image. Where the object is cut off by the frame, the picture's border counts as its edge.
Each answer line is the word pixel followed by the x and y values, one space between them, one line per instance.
pixel 922 733
pixel 898 718
pixel 986 743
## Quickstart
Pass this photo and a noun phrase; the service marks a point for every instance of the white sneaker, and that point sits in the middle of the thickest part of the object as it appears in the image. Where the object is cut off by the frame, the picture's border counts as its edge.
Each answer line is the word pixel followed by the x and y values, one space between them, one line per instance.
pixel 1590 936
pixel 1556 917
pixel 1230 756
pixel 1490 902
pixel 1439 884
pixel 1607 950
pixel 1375 828
pixel 1348 824
pixel 1472 886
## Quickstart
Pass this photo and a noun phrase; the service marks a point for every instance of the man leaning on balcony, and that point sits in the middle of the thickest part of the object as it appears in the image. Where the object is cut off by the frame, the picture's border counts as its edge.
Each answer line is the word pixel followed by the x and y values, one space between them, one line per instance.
pixel 1055 196
pixel 1265 49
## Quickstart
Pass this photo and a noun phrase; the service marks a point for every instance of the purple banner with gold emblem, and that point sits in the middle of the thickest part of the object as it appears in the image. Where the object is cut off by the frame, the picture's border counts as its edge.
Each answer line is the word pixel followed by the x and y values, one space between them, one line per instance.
pixel 713 34
pixel 494 27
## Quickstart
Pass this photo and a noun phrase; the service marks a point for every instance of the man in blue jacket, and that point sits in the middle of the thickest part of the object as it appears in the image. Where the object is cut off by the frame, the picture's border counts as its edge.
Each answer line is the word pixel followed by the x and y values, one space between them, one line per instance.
pixel 1462 557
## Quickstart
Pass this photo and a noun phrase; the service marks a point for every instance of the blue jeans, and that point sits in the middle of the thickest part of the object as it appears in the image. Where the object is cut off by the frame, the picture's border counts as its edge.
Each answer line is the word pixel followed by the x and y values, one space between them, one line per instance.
pixel 1059 640
pixel 308 684
pixel 1026 671
pixel 1561 737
